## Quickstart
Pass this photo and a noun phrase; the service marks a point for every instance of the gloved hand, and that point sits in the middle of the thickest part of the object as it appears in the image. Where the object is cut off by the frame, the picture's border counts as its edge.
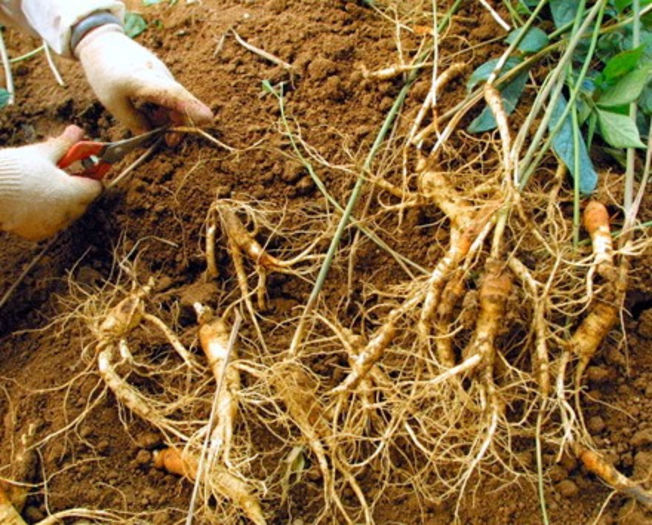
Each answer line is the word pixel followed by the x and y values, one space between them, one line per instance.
pixel 125 75
pixel 37 199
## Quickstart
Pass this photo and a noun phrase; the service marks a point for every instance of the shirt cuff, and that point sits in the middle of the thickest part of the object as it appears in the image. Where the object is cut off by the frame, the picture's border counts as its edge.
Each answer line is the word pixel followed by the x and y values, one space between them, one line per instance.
pixel 53 19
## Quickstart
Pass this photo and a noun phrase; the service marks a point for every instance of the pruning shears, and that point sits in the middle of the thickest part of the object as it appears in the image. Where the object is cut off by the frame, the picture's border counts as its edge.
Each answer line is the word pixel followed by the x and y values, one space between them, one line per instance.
pixel 97 157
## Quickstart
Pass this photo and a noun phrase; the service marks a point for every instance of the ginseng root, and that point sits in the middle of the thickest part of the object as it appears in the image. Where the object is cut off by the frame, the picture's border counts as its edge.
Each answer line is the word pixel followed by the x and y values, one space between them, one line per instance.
pixel 595 463
pixel 375 348
pixel 130 397
pixel 451 295
pixel 236 231
pixel 214 340
pixel 540 356
pixel 123 317
pixel 182 464
pixel 596 222
pixel 8 514
pixel 604 314
pixel 296 389
pixel 494 291
pixel 387 72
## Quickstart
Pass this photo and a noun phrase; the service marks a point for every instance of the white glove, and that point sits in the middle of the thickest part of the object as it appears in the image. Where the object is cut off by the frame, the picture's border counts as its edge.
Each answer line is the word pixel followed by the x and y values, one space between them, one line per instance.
pixel 37 199
pixel 123 73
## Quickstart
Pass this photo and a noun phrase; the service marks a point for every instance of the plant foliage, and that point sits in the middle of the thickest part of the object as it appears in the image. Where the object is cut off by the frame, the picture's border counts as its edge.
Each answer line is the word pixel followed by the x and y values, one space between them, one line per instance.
pixel 614 75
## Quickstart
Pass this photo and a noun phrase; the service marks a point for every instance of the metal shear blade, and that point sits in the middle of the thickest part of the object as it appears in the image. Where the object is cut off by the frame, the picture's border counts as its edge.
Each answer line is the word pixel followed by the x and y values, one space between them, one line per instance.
pixel 97 157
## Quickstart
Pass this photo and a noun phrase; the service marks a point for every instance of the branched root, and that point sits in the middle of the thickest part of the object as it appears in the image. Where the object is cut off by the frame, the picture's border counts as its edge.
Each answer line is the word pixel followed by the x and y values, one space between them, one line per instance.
pixel 376 346
pixel 214 340
pixel 218 478
pixel 604 314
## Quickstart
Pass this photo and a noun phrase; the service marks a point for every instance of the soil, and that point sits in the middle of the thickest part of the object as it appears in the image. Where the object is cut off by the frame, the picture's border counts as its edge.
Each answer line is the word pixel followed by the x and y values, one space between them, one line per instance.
pixel 97 455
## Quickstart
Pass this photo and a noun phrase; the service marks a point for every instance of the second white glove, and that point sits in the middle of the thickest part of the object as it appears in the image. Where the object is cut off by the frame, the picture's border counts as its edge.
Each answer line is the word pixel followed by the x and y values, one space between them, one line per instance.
pixel 37 199
pixel 122 72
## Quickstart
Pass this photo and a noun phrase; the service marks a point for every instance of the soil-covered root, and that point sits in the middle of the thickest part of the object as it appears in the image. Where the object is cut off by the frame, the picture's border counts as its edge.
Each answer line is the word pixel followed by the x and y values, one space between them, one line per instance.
pixel 214 340
pixel 8 513
pixel 297 390
pixel 540 358
pixel 218 478
pixel 596 222
pixel 373 351
pixel 604 313
pixel 22 471
pixel 13 495
pixel 130 397
pixel 597 464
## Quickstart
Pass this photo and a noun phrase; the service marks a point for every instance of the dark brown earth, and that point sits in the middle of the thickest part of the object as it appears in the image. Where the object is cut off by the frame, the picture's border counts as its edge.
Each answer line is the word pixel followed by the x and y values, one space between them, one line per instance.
pixel 47 379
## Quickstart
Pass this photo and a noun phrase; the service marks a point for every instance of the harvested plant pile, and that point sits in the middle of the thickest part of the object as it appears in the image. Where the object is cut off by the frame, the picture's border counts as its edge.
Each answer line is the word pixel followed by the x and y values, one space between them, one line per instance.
pixel 470 367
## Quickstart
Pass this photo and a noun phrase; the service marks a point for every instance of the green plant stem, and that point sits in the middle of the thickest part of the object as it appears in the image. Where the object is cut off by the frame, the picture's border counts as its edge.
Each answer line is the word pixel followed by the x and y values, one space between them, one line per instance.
pixel 510 49
pixel 353 200
pixel 627 20
pixel 476 96
pixel 355 193
pixel 401 259
pixel 628 196
pixel 31 54
pixel 618 233
pixel 576 178
pixel 516 18
pixel 535 152
pixel 576 126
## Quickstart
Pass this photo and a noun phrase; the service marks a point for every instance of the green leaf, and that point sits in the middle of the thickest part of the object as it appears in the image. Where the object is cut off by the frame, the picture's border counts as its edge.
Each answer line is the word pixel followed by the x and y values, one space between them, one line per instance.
pixel 584 110
pixel 267 86
pixel 645 101
pixel 152 2
pixel 510 95
pixel 622 63
pixel 563 11
pixel 645 39
pixel 609 44
pixel 482 72
pixel 627 89
pixel 562 145
pixel 590 132
pixel 621 5
pixel 618 130
pixel 619 155
pixel 134 24
pixel 5 96
pixel 534 40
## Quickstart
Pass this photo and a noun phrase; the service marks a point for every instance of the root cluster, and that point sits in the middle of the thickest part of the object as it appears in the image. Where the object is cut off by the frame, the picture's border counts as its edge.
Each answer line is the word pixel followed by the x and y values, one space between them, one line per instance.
pixel 432 383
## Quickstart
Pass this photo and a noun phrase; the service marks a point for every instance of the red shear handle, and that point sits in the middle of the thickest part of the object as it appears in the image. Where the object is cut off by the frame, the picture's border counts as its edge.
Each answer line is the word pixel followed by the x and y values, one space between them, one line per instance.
pixel 82 150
